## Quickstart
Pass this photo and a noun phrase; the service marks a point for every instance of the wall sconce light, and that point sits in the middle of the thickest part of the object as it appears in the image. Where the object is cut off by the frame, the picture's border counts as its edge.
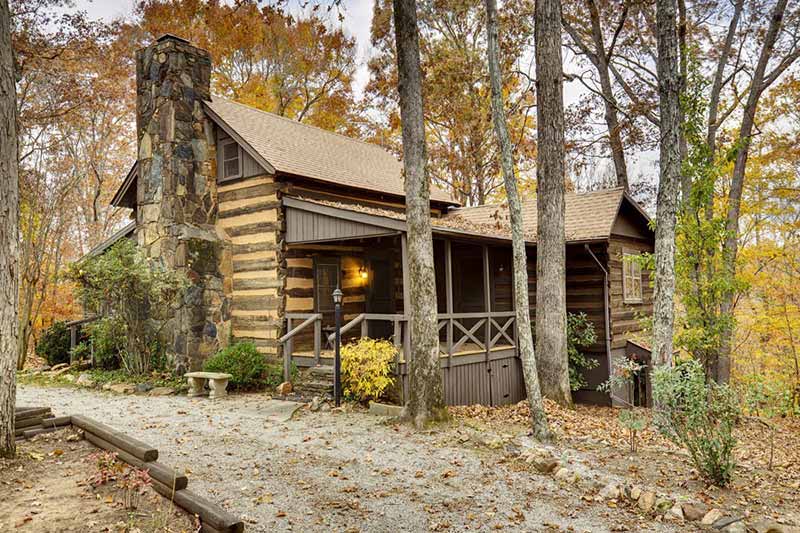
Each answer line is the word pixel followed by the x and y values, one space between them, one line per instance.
pixel 362 272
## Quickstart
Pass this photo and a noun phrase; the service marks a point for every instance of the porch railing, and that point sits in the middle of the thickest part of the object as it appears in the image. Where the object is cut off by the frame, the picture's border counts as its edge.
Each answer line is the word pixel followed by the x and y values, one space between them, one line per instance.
pixel 461 328
pixel 287 341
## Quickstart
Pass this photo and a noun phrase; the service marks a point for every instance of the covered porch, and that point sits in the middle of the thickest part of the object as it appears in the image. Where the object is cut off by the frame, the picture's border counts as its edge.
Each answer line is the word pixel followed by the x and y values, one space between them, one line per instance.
pixel 366 255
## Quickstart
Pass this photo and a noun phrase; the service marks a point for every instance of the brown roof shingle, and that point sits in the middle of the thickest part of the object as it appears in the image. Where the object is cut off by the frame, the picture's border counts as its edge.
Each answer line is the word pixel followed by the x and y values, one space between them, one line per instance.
pixel 588 216
pixel 292 147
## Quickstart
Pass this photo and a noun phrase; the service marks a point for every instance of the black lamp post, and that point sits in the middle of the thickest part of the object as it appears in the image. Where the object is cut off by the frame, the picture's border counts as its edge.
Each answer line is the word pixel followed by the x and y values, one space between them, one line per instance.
pixel 337 361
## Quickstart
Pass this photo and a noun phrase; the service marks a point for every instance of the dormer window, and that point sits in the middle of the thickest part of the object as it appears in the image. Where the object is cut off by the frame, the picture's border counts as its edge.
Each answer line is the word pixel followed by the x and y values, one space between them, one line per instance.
pixel 231 160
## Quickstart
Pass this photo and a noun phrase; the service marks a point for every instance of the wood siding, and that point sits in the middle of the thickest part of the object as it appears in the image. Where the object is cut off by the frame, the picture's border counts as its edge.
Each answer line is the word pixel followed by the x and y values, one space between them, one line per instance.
pixel 307 226
pixel 584 284
pixel 626 318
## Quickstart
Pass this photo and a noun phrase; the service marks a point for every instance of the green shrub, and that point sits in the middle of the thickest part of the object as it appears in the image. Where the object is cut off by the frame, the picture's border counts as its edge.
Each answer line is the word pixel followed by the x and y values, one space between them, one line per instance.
pixel 580 334
pixel 243 361
pixel 54 344
pixel 108 342
pixel 697 416
pixel 766 397
pixel 81 352
pixel 140 293
pixel 273 375
pixel 367 368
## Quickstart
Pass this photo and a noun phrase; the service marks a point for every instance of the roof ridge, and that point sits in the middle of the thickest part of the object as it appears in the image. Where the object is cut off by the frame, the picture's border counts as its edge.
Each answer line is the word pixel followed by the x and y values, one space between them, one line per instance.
pixel 311 126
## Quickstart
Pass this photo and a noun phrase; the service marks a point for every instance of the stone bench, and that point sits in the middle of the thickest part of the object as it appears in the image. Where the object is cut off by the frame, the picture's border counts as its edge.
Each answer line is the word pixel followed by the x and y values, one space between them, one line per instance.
pixel 217 384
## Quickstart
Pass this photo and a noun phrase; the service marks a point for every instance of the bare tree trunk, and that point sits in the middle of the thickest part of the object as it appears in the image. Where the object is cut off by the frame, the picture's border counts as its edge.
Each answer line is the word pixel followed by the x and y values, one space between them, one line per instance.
pixel 609 101
pixel 669 87
pixel 426 398
pixel 761 80
pixel 599 57
pixel 9 236
pixel 541 429
pixel 551 297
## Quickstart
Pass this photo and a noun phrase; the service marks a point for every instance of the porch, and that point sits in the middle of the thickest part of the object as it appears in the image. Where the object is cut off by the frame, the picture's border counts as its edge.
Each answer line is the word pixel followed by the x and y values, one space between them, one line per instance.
pixel 477 329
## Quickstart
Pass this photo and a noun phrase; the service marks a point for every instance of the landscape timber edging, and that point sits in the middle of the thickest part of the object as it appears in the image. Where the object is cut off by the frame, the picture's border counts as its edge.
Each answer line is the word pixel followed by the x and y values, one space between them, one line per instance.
pixel 164 480
pixel 213 517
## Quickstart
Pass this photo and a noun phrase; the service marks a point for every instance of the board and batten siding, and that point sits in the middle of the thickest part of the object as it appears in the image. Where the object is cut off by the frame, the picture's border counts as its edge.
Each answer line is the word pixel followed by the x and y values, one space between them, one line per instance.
pixel 250 166
pixel 308 226
pixel 250 215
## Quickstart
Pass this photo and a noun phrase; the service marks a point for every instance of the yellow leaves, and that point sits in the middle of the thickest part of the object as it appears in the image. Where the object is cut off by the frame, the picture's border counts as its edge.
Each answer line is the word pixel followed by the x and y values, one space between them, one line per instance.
pixel 366 368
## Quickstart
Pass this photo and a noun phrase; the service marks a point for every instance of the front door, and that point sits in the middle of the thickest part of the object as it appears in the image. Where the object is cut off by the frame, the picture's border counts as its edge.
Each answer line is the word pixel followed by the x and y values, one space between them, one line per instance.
pixel 380 298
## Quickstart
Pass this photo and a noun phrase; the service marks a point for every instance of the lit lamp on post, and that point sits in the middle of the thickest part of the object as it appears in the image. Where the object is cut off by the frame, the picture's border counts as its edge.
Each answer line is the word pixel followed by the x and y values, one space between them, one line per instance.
pixel 337 361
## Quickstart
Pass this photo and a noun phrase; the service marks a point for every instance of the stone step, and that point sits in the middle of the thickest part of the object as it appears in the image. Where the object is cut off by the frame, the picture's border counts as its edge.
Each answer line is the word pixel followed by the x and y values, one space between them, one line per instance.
pixel 325 372
pixel 315 385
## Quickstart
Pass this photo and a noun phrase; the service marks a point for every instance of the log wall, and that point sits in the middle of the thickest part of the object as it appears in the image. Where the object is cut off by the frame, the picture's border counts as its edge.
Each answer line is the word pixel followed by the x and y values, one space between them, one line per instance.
pixel 251 217
pixel 626 318
pixel 584 280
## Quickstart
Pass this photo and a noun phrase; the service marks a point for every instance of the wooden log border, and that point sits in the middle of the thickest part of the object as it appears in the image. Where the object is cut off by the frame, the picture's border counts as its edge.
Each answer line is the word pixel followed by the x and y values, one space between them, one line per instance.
pixel 135 447
pixel 164 480
pixel 158 471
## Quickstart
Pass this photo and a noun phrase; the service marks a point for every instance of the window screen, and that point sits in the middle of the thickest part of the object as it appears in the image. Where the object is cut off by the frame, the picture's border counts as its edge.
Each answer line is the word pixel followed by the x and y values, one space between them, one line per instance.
pixel 326 279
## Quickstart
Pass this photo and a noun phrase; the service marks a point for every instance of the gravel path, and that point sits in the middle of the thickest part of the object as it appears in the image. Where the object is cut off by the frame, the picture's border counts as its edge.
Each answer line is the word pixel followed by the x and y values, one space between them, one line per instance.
pixel 344 471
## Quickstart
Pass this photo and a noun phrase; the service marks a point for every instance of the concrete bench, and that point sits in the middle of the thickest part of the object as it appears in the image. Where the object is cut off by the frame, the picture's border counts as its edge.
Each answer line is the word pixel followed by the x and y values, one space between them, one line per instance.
pixel 217 384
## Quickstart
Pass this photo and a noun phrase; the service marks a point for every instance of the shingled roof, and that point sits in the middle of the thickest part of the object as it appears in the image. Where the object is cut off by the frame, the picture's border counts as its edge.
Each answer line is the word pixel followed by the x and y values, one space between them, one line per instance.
pixel 299 149
pixel 588 216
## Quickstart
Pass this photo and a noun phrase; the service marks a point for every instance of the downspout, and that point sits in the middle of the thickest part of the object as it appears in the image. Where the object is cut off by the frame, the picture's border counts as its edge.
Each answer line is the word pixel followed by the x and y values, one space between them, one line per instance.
pixel 605 307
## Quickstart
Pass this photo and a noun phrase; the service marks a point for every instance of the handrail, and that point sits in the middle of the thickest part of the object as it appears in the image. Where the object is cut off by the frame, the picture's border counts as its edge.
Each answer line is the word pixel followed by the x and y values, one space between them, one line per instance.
pixel 479 314
pixel 496 323
pixel 310 320
pixel 347 327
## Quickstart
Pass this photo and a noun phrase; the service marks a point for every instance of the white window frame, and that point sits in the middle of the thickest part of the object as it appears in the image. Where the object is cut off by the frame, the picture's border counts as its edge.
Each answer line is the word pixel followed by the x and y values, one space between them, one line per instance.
pixel 631 268
pixel 222 145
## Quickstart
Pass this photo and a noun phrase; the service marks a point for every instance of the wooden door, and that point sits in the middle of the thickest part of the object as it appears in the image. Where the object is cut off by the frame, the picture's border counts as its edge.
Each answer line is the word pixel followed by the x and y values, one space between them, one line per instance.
pixel 380 297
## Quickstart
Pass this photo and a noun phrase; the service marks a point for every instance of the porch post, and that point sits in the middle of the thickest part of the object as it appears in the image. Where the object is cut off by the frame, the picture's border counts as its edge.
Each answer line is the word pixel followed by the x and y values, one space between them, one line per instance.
pixel 406 296
pixel 448 276
pixel 317 340
pixel 487 299
pixel 287 352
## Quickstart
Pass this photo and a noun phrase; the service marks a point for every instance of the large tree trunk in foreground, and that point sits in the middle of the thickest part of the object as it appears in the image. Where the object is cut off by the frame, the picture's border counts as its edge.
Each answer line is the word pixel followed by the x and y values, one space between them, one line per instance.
pixel 525 338
pixel 551 295
pixel 426 398
pixel 9 236
pixel 669 180
pixel 761 80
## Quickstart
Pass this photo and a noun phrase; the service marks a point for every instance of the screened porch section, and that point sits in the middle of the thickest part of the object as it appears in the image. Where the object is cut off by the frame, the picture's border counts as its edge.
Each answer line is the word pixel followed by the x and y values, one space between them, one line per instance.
pixel 475 311
pixel 473 291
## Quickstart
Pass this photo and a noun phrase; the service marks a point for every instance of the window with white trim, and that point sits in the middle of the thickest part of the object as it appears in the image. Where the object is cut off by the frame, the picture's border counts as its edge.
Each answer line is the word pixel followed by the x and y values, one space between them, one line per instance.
pixel 230 159
pixel 631 277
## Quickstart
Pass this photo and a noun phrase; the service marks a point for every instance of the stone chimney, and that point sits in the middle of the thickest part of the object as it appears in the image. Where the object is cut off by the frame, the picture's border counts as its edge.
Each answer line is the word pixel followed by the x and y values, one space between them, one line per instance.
pixel 176 189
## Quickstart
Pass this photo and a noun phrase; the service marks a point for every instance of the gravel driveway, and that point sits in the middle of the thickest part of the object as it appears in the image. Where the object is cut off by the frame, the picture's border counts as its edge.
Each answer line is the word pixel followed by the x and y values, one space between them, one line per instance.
pixel 346 471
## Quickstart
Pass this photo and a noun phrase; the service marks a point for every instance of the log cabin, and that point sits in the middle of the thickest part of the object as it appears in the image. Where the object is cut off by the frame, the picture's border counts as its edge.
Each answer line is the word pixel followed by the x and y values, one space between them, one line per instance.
pixel 267 216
